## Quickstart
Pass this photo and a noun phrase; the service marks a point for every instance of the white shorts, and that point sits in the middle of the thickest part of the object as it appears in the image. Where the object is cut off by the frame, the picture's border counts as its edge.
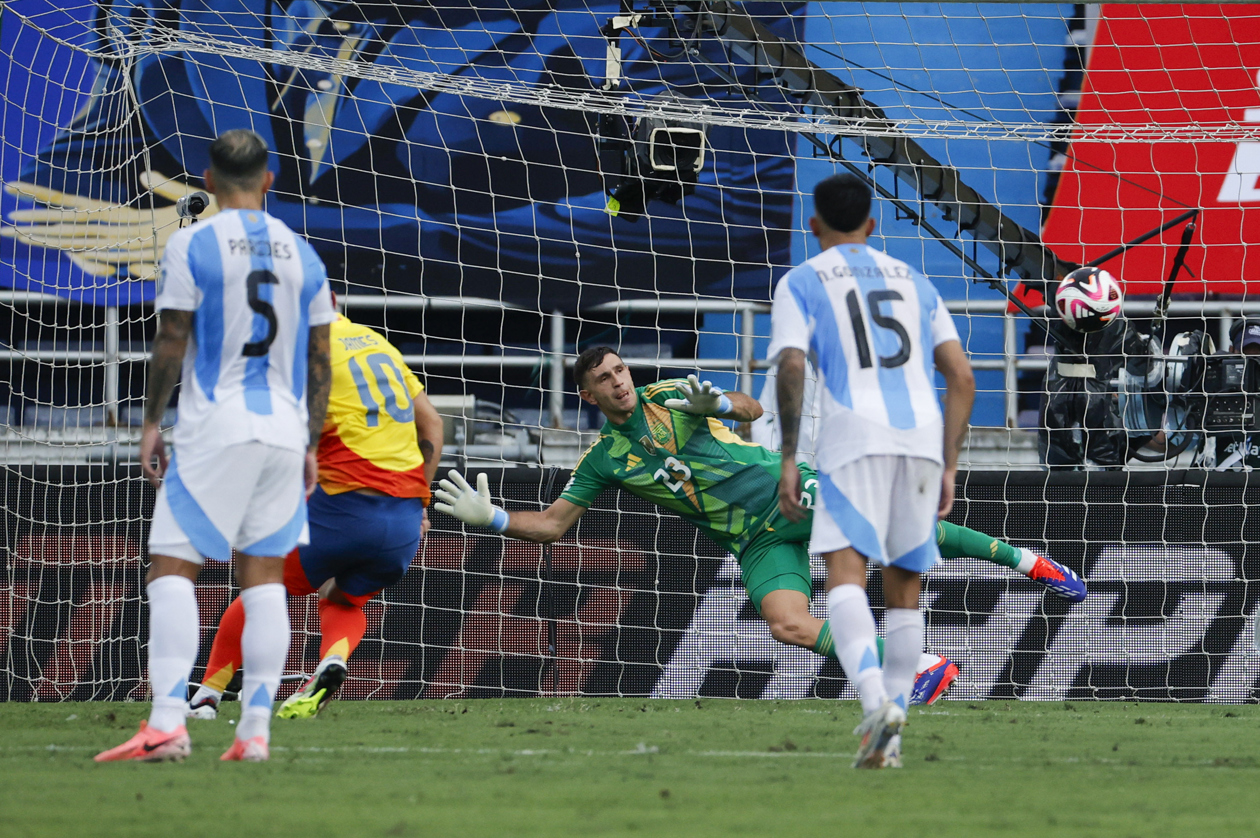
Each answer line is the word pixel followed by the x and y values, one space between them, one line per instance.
pixel 884 506
pixel 251 497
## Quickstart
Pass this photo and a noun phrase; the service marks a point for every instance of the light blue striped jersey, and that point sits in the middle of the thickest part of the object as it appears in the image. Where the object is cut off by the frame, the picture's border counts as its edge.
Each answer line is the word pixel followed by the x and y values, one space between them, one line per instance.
pixel 871 324
pixel 255 289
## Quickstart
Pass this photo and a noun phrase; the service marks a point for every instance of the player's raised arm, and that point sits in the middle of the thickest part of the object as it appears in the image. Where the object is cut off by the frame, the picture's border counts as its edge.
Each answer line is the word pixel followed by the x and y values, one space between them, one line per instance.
pixel 472 506
pixel 744 408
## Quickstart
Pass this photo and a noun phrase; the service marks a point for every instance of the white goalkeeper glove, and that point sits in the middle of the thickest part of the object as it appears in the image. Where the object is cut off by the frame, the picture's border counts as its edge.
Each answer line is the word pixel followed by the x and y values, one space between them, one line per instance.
pixel 702 399
pixel 472 506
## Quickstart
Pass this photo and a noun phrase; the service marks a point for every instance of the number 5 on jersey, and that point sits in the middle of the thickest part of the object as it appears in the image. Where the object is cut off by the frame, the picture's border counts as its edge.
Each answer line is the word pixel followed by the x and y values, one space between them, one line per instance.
pixel 253 285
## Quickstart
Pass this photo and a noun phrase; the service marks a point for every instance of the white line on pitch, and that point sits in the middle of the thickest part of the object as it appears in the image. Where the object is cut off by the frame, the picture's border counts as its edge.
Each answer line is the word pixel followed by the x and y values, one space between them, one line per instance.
pixel 640 750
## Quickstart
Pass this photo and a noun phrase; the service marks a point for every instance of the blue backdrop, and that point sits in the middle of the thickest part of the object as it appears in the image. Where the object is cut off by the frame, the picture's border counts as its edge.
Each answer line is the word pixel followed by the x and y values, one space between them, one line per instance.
pixel 397 188
pixel 971 62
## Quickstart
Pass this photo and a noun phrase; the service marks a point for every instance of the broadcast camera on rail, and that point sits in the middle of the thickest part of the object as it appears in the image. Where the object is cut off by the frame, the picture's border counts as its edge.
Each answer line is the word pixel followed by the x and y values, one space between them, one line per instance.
pixel 1114 394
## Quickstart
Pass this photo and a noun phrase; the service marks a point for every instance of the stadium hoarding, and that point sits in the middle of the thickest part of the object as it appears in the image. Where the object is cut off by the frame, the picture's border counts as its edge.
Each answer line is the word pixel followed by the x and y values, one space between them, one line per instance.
pixel 637 603
pixel 1154 69
pixel 399 189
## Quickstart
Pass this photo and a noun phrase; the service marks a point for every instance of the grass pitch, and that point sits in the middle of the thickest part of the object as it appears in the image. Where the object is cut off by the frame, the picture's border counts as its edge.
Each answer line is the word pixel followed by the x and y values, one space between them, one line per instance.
pixel 600 767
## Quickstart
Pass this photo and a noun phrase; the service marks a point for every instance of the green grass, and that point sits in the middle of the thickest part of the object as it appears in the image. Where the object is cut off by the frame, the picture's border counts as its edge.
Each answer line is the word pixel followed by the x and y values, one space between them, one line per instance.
pixel 596 767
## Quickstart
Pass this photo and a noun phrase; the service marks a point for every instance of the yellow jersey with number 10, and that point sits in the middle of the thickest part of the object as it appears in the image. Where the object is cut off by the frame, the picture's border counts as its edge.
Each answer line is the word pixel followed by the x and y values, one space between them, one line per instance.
pixel 369 439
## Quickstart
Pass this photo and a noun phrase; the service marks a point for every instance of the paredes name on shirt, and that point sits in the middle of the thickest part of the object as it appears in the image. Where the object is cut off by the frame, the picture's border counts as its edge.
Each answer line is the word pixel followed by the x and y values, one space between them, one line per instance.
pixel 274 249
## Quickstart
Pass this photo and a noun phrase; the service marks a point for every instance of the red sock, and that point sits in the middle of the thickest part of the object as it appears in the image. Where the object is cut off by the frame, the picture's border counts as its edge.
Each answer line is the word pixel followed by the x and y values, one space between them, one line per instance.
pixel 225 654
pixel 341 628
pixel 295 581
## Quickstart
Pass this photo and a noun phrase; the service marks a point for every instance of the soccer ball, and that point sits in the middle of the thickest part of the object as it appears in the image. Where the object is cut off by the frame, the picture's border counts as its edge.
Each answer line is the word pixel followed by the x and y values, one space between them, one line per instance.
pixel 1088 299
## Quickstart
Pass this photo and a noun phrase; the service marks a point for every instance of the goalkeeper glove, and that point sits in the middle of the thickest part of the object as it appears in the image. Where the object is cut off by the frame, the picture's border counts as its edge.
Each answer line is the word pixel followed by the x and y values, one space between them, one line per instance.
pixel 472 506
pixel 702 399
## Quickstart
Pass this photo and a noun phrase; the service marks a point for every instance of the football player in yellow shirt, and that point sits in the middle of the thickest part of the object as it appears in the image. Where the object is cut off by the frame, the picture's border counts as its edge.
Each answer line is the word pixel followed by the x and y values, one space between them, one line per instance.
pixel 378 453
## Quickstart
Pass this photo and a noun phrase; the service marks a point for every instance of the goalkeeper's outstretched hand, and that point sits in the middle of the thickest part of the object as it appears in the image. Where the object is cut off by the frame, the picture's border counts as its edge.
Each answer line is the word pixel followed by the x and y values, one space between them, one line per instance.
pixel 472 506
pixel 702 399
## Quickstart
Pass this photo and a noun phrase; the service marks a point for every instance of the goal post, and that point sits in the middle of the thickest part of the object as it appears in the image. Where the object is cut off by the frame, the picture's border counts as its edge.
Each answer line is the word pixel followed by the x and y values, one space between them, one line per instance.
pixel 497 186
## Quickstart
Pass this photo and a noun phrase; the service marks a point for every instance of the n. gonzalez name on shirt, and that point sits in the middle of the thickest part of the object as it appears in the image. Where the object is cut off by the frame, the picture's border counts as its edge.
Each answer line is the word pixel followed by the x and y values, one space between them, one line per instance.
pixel 846 271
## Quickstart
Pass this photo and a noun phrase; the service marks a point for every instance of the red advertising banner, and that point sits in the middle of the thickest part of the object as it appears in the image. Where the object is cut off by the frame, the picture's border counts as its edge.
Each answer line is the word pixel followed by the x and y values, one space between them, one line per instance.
pixel 1188 69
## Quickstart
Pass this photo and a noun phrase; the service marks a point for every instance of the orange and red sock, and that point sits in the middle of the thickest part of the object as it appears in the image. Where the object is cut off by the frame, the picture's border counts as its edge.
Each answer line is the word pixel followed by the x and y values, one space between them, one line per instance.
pixel 225 654
pixel 341 626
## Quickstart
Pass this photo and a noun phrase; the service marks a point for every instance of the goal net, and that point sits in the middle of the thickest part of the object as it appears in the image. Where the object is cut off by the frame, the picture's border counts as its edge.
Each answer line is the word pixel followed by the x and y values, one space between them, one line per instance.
pixel 497 186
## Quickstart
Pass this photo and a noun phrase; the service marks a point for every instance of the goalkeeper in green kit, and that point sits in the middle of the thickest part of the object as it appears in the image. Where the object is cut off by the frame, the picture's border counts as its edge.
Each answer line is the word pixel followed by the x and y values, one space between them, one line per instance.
pixel 665 443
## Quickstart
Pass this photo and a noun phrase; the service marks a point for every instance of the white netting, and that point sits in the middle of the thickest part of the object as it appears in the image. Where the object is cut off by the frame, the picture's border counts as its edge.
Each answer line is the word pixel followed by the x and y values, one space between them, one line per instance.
pixel 498 185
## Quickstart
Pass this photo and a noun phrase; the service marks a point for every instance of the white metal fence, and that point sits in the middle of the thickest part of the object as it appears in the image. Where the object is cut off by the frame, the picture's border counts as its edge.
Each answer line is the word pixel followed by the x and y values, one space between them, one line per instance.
pixel 556 361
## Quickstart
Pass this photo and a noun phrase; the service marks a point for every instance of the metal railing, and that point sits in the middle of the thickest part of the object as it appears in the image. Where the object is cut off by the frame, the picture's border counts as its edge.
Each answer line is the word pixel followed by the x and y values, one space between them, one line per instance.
pixel 557 361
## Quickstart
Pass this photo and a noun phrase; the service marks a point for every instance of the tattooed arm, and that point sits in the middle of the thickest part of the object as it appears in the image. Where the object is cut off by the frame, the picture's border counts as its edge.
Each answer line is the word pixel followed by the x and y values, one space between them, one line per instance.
pixel 174 327
pixel 318 383
pixel 790 388
pixel 429 431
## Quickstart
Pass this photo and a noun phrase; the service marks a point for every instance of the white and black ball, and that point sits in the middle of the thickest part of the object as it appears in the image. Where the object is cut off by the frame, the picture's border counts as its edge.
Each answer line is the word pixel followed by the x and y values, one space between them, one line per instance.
pixel 1088 299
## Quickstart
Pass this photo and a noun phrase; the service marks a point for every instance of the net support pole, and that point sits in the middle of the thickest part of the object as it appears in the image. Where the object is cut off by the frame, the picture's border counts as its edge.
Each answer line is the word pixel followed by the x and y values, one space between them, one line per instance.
pixel 746 329
pixel 1010 369
pixel 556 384
pixel 112 363
pixel 549 594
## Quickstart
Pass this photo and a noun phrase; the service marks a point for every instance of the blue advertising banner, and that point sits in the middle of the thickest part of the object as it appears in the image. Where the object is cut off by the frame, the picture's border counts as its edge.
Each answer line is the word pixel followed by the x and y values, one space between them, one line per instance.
pixel 107 121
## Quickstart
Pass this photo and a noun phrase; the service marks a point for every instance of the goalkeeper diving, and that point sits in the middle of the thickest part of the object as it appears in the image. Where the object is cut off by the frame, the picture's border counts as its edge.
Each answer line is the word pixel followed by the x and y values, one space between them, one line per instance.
pixel 666 443
pixel 953 541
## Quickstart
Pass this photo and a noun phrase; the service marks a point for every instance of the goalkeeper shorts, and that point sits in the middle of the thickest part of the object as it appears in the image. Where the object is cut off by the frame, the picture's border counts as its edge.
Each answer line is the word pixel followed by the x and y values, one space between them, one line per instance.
pixel 777 559
pixel 777 556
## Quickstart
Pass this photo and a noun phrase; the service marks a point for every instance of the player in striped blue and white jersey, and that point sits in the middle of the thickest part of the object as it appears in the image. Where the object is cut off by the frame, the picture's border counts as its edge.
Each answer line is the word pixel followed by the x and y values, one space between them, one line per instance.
pixel 878 332
pixel 244 307
pixel 257 288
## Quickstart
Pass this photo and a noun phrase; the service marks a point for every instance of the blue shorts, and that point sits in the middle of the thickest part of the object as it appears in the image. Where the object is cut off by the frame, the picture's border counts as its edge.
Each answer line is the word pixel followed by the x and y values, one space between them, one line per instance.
pixel 365 542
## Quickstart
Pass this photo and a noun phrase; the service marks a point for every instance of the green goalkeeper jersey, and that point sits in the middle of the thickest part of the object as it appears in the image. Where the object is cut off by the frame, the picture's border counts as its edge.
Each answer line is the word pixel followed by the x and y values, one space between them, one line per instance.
pixel 692 465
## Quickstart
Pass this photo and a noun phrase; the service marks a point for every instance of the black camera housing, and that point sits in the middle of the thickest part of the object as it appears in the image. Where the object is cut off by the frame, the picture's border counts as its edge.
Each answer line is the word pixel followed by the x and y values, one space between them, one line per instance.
pixel 192 205
pixel 1231 386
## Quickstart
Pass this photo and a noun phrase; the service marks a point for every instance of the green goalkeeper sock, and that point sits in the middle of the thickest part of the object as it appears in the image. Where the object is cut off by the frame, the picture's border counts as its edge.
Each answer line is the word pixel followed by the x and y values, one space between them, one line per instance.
pixel 825 645
pixel 958 542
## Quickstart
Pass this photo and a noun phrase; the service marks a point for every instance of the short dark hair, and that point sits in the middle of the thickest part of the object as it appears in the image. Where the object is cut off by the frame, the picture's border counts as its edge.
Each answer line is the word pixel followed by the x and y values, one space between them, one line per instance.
pixel 238 158
pixel 843 202
pixel 588 360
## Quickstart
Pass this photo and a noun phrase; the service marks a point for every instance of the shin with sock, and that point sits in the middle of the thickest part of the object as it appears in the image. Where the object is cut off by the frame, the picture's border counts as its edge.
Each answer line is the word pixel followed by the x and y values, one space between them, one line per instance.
pixel 264 647
pixel 825 645
pixel 341 628
pixel 174 633
pixel 853 627
pixel 958 542
pixel 225 654
pixel 902 648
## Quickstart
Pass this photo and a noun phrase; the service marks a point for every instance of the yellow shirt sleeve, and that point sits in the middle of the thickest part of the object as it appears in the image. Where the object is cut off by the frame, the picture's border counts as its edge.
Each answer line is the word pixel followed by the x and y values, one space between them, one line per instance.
pixel 414 387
